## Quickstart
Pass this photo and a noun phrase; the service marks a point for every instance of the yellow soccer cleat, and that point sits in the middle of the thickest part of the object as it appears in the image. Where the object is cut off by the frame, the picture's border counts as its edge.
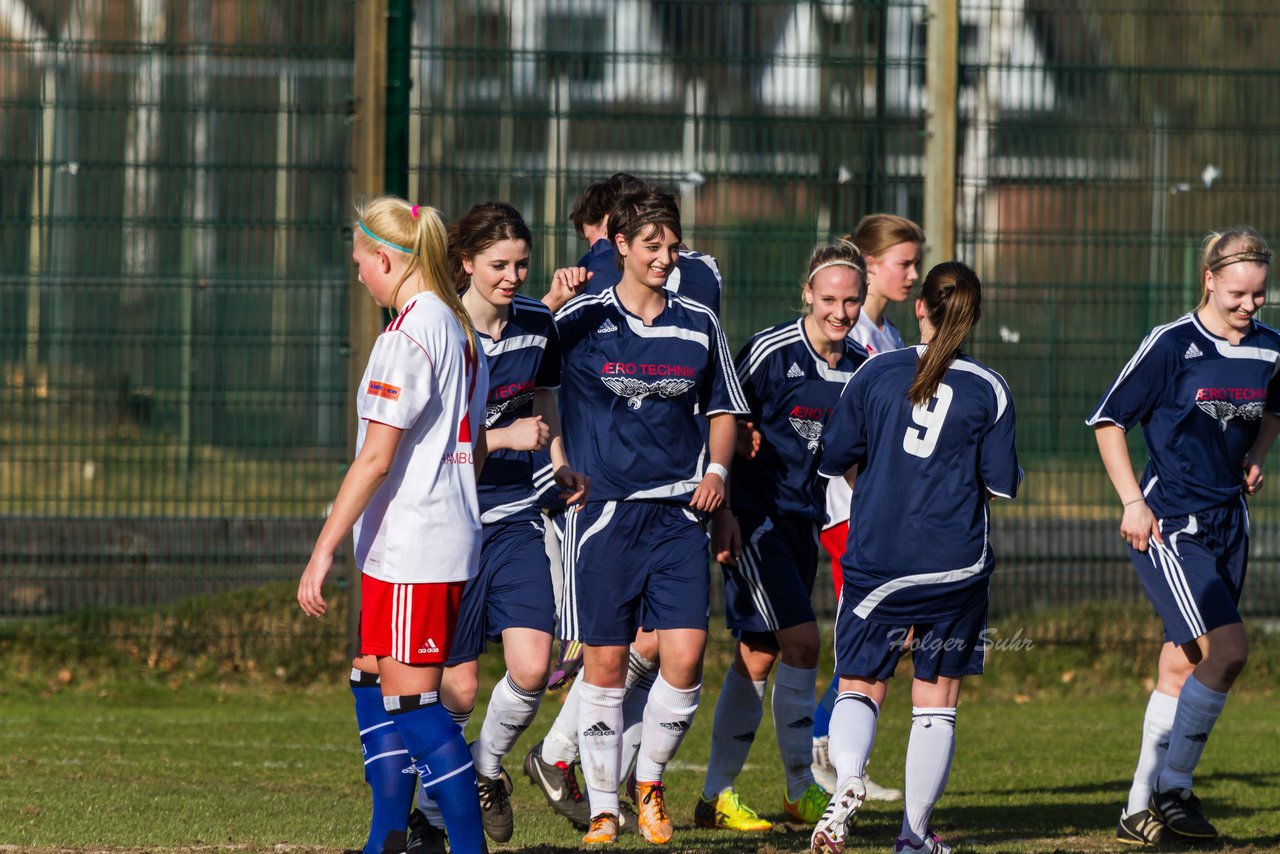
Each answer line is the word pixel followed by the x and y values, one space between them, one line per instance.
pixel 603 830
pixel 809 807
pixel 655 824
pixel 728 812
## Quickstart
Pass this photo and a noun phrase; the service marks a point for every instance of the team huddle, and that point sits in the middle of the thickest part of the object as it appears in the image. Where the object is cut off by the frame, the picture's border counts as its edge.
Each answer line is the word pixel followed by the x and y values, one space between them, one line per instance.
pixel 530 470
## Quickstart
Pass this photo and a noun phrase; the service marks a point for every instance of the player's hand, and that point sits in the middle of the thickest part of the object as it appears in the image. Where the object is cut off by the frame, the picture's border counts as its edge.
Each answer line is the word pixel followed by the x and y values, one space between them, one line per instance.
pixel 726 537
pixel 526 434
pixel 574 486
pixel 709 496
pixel 566 283
pixel 748 440
pixel 312 580
pixel 1252 475
pixel 1139 526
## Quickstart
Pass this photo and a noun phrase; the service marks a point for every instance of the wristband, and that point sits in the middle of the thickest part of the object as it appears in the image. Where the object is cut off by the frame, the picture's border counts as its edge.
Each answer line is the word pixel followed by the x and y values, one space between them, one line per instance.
pixel 1134 500
pixel 716 468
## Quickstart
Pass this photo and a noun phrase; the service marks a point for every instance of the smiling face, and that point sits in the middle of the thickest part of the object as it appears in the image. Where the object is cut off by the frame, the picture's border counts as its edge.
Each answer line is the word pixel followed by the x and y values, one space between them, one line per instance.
pixel 834 298
pixel 892 273
pixel 650 257
pixel 1235 294
pixel 499 271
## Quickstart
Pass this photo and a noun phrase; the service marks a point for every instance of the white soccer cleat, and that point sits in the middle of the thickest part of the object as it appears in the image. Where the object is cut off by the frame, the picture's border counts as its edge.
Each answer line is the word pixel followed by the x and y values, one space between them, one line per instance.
pixel 833 828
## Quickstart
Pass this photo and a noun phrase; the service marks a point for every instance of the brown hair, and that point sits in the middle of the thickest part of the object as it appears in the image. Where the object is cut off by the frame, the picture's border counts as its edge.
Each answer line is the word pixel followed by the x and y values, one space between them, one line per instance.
pixel 598 200
pixel 1238 245
pixel 642 213
pixel 418 231
pixel 952 297
pixel 839 252
pixel 877 232
pixel 482 227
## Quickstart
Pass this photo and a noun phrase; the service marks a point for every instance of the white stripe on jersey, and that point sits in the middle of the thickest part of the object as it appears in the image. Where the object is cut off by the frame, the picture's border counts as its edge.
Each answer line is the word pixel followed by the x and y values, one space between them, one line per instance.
pixel 670 490
pixel 502 511
pixel 506 345
pixel 751 575
pixel 578 303
pixel 766 344
pixel 996 381
pixel 1143 349
pixel 524 303
pixel 737 398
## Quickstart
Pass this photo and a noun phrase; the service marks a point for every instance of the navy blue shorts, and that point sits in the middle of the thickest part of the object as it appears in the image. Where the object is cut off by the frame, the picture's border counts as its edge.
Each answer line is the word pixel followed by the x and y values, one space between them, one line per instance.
pixel 1195 578
pixel 771 588
pixel 953 647
pixel 633 564
pixel 513 589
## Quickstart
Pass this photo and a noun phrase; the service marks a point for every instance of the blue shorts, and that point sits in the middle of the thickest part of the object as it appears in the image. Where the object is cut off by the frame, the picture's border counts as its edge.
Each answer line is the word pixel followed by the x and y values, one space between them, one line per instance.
pixel 1195 578
pixel 771 588
pixel 953 647
pixel 633 564
pixel 513 589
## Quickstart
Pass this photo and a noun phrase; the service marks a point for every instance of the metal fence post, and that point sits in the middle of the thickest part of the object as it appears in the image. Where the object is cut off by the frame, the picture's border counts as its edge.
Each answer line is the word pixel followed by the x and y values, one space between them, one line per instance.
pixel 941 62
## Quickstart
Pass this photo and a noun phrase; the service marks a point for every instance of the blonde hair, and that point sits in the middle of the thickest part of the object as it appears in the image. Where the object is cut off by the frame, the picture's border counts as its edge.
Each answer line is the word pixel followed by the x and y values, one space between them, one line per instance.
pixel 418 232
pixel 1234 246
pixel 952 297
pixel 838 253
pixel 877 232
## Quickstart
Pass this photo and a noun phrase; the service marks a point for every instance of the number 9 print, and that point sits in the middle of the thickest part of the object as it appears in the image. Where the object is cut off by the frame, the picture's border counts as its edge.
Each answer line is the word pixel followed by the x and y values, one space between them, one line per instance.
pixel 922 435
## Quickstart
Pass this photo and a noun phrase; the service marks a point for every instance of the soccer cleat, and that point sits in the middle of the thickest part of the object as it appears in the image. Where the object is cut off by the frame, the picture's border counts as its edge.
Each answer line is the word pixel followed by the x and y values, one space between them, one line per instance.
pixel 603 830
pixel 655 824
pixel 829 834
pixel 1181 813
pixel 1141 828
pixel 931 844
pixel 876 792
pixel 559 785
pixel 728 812
pixel 809 807
pixel 495 805
pixel 567 666
pixel 424 837
pixel 824 774
pixel 628 821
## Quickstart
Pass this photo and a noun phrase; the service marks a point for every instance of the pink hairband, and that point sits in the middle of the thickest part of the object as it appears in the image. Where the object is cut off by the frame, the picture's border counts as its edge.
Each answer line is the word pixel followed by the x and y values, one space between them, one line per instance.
pixel 414 211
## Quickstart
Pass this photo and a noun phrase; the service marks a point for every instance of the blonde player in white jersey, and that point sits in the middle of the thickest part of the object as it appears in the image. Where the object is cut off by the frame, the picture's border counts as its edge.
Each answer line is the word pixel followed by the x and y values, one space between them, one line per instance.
pixel 891 248
pixel 411 492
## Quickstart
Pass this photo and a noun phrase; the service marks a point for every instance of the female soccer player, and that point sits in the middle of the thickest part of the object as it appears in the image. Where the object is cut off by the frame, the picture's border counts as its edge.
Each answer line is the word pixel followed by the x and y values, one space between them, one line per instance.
pixel 930 433
pixel 792 375
pixel 641 367
pixel 411 492
pixel 1204 389
pixel 511 598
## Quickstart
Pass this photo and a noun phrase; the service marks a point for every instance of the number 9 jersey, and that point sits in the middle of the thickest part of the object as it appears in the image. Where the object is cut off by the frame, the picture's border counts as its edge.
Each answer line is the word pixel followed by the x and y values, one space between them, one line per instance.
pixel 919 549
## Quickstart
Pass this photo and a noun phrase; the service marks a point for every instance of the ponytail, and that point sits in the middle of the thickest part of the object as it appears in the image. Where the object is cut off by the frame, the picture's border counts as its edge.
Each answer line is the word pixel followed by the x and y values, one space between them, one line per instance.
pixel 952 297
pixel 1238 245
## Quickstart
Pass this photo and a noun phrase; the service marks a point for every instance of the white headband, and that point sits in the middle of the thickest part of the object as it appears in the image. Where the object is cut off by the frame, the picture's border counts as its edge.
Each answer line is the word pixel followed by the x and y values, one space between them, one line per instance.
pixel 835 264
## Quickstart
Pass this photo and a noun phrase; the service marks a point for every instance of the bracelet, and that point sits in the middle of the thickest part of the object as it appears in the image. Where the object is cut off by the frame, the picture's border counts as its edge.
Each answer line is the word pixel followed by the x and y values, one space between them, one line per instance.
pixel 1134 500
pixel 716 468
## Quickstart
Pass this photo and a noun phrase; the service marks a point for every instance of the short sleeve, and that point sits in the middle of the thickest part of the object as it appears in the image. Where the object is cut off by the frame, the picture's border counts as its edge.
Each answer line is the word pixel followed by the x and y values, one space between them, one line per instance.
pixel 721 392
pixel 548 375
pixel 844 438
pixel 573 325
pixel 751 381
pixel 998 454
pixel 1140 386
pixel 400 381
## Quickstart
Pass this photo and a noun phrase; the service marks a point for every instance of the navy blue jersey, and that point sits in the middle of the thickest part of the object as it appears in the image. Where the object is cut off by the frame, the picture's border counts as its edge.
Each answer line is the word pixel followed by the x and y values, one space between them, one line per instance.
pixel 527 357
pixel 918 546
pixel 633 397
pixel 696 276
pixel 791 390
pixel 1200 402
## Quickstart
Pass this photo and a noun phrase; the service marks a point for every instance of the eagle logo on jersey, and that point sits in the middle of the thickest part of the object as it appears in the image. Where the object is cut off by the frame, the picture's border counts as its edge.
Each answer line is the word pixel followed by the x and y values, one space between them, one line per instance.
pixel 637 390
pixel 1224 410
pixel 493 412
pixel 809 429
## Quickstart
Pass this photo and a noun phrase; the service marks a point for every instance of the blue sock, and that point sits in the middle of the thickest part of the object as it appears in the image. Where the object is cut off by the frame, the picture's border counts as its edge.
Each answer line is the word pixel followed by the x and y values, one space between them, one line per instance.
pixel 387 767
pixel 822 711
pixel 444 766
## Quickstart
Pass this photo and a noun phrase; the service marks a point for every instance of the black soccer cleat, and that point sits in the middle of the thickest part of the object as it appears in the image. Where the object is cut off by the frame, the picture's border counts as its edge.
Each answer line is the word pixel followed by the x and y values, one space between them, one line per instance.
pixel 1141 828
pixel 559 785
pixel 495 805
pixel 1182 814
pixel 424 837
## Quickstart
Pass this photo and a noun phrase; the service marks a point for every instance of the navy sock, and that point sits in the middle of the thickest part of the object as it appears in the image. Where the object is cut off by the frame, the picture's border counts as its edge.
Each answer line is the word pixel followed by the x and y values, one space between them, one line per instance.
pixel 444 766
pixel 387 767
pixel 822 711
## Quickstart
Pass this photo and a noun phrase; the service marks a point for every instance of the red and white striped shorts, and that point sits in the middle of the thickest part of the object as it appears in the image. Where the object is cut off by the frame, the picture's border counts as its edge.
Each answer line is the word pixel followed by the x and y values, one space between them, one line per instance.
pixel 412 623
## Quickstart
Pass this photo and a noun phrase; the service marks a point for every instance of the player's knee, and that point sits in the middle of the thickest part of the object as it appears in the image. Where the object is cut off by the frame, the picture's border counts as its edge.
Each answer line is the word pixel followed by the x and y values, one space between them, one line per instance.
pixel 528 675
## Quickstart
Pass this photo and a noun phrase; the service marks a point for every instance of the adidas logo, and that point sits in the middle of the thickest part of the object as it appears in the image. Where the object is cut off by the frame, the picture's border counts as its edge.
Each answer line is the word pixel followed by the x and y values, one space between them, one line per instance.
pixel 1193 352
pixel 607 328
pixel 675 726
pixel 746 737
pixel 598 728
pixel 517 728
pixel 429 649
pixel 794 371
pixel 805 722
pixel 1200 737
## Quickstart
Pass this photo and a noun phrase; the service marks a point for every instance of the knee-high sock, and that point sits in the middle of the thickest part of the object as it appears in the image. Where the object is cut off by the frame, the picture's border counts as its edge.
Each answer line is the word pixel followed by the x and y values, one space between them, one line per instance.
pixel 822 711
pixel 793 724
pixel 561 742
pixel 444 765
pixel 853 734
pixel 739 711
pixel 667 717
pixel 600 723
pixel 1156 725
pixel 1198 710
pixel 388 769
pixel 640 675
pixel 929 750
pixel 427 806
pixel 511 710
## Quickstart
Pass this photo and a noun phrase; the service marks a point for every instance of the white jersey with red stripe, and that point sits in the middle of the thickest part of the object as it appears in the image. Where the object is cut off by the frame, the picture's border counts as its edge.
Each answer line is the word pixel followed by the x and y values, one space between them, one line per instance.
pixel 423 523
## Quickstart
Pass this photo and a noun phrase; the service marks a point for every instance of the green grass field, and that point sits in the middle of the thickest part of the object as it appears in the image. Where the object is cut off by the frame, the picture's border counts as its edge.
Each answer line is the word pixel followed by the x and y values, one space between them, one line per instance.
pixel 135 764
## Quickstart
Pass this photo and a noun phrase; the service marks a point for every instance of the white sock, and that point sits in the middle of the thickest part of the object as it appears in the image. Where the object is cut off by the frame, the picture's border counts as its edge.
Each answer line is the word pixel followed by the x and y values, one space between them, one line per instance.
pixel 1156 726
pixel 461 718
pixel 793 690
pixel 633 721
pixel 667 717
pixel 853 733
pixel 739 710
pixel 929 751
pixel 511 710
pixel 1198 710
pixel 561 743
pixel 600 733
